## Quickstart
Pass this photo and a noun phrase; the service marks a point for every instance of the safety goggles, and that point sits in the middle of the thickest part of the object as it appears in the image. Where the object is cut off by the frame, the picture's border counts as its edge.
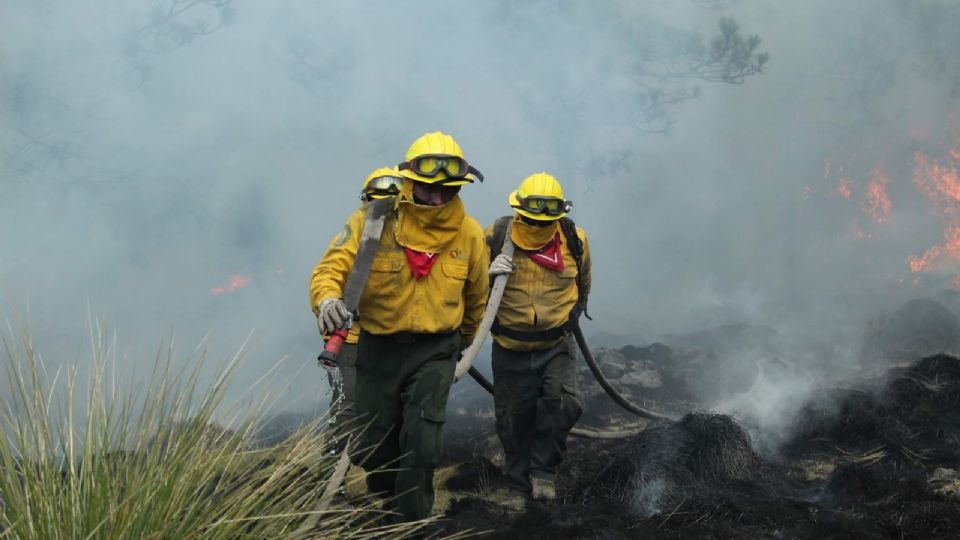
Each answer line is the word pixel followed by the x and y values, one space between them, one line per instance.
pixel 550 206
pixel 382 186
pixel 430 165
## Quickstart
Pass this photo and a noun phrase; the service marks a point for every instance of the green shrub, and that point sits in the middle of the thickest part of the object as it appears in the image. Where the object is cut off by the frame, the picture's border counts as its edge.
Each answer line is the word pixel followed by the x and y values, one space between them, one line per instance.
pixel 151 460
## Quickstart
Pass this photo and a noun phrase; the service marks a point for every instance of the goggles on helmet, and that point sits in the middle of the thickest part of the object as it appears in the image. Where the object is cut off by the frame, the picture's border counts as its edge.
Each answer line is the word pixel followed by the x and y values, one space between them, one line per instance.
pixel 382 186
pixel 430 165
pixel 550 206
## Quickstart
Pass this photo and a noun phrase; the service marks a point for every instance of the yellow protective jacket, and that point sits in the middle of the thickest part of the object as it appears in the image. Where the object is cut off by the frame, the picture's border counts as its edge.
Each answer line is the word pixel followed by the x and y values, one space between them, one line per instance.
pixel 536 298
pixel 451 297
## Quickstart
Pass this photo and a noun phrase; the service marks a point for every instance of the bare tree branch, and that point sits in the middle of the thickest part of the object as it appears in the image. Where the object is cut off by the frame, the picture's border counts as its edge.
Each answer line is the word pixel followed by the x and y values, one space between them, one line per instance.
pixel 167 30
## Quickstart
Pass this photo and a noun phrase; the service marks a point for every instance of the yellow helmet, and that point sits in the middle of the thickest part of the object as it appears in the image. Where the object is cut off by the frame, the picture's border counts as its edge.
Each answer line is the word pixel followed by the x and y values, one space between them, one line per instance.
pixel 381 183
pixel 435 158
pixel 540 197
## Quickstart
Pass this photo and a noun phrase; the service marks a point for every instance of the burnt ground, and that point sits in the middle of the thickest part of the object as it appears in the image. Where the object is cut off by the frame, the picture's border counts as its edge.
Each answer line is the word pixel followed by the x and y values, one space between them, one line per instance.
pixel 877 459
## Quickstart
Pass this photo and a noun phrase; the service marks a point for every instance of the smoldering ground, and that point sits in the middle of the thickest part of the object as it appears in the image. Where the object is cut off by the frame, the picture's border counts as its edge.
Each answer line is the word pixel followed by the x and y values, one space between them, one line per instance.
pixel 178 168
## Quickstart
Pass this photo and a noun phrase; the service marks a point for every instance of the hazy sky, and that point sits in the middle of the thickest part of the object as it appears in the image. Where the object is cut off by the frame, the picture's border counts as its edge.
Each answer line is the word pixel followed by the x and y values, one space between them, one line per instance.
pixel 136 177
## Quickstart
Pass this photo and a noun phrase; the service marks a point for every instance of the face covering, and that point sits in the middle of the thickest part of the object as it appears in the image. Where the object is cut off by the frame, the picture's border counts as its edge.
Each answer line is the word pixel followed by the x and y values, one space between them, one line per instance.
pixel 424 228
pixel 530 237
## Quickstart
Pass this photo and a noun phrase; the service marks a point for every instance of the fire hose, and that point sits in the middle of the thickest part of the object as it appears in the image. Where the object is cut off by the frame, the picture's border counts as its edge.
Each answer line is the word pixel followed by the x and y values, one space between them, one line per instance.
pixel 465 365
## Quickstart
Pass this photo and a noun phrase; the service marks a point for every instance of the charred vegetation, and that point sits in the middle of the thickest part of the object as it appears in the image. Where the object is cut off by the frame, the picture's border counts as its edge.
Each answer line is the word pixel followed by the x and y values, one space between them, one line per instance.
pixel 874 458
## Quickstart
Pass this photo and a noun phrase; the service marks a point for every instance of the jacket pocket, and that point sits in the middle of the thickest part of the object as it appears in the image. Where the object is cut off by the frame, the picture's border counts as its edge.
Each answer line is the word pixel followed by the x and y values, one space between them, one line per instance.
pixel 571 405
pixel 561 287
pixel 385 282
pixel 455 276
pixel 427 438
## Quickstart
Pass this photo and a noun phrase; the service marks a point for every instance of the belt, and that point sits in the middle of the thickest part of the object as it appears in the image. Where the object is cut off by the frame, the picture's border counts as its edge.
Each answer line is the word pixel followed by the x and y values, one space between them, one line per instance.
pixel 412 337
pixel 543 335
pixel 550 334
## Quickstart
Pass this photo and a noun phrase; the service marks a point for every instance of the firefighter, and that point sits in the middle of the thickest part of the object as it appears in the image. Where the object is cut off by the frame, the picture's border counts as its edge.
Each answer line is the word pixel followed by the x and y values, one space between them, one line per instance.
pixel 534 370
pixel 424 298
pixel 381 183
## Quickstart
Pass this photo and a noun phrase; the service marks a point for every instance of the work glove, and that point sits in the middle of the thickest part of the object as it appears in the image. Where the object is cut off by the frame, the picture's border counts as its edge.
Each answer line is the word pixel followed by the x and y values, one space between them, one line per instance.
pixel 333 314
pixel 502 264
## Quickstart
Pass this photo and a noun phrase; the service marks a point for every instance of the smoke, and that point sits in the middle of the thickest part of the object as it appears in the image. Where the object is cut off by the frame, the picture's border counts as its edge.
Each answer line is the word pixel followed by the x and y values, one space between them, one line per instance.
pixel 647 494
pixel 147 162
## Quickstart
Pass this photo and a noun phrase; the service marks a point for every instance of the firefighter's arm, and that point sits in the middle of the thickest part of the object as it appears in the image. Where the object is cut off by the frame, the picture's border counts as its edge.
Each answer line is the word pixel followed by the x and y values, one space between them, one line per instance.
pixel 475 289
pixel 585 279
pixel 331 272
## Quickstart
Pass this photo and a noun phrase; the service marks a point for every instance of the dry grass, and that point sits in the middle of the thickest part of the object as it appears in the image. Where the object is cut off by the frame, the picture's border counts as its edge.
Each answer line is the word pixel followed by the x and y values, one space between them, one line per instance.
pixel 156 459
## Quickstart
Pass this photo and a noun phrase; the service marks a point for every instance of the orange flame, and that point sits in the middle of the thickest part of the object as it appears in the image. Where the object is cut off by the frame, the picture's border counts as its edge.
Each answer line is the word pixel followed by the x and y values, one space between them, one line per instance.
pixel 234 282
pixel 843 188
pixel 941 183
pixel 877 202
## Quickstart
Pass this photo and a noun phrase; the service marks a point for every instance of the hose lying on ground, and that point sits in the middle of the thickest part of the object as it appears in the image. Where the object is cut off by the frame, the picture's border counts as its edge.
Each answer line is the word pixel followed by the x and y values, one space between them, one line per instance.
pixel 587 433
pixel 605 383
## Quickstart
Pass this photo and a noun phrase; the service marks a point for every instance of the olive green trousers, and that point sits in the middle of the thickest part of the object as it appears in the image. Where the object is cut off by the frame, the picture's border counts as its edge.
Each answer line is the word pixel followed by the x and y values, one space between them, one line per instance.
pixel 403 381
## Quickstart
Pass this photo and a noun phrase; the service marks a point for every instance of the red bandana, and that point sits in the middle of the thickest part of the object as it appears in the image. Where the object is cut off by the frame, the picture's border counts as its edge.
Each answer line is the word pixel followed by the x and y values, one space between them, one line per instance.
pixel 549 256
pixel 420 262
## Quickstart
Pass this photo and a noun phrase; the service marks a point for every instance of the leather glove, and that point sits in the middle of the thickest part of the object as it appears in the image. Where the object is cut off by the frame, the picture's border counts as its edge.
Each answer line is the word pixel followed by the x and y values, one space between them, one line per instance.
pixel 502 264
pixel 333 315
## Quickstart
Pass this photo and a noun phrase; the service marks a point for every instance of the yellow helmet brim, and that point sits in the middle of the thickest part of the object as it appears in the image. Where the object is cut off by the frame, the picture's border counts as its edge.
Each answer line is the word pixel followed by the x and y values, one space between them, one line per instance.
pixel 407 173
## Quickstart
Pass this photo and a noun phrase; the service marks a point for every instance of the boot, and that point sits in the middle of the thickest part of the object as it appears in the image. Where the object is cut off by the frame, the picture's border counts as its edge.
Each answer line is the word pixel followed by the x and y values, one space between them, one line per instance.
pixel 544 489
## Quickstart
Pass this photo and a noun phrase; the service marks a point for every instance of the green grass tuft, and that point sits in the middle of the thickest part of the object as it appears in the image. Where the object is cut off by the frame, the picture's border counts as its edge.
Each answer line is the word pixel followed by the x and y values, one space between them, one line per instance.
pixel 153 459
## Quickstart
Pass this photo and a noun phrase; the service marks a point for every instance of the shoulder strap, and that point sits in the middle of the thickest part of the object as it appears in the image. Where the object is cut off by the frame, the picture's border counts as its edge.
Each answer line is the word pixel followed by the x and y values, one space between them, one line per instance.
pixel 569 229
pixel 499 234
pixel 376 215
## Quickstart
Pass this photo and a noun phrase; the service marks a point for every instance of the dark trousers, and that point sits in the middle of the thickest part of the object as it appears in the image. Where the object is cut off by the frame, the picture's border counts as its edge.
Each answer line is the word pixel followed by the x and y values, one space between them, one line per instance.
pixel 402 386
pixel 536 406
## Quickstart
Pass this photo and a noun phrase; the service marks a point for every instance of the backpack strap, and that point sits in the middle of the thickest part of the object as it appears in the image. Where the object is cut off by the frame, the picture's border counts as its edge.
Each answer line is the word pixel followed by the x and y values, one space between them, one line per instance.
pixel 499 234
pixel 575 245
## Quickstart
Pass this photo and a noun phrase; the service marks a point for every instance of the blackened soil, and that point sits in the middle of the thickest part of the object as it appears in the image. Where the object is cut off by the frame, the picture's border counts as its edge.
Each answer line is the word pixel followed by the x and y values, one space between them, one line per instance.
pixel 860 465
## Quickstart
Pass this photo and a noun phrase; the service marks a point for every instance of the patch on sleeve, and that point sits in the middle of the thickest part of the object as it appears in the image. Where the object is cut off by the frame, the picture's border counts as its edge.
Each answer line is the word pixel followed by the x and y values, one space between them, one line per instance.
pixel 343 236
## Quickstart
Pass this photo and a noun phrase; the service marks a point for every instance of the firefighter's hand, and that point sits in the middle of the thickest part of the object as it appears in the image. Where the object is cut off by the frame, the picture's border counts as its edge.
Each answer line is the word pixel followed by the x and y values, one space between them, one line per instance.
pixel 502 264
pixel 333 315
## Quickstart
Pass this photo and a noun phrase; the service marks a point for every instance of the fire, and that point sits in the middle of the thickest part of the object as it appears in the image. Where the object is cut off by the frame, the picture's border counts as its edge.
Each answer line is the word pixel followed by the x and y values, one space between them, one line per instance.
pixel 877 202
pixel 234 282
pixel 941 183
pixel 843 188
